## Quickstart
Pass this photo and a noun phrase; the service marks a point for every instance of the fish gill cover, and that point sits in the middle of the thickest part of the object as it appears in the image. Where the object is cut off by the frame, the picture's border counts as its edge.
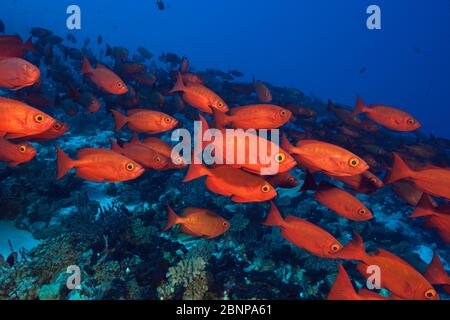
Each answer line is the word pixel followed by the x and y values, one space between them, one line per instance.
pixel 172 150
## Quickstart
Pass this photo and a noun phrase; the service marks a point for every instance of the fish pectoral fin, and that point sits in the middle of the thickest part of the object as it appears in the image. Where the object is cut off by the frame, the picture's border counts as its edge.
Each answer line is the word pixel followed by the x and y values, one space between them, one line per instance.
pixel 239 199
pixel 13 164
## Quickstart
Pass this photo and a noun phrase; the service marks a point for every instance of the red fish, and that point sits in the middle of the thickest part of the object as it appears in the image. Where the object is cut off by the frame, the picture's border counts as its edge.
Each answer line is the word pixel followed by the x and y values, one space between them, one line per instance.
pixel 432 180
pixel 146 157
pixel 16 73
pixel 436 218
pixel 322 156
pixel 142 120
pixel 406 190
pixel 198 222
pixel 164 148
pixel 397 275
pixel 262 92
pixel 304 234
pixel 105 79
pixel 18 120
pixel 283 180
pixel 259 116
pixel 338 200
pixel 13 46
pixel 99 165
pixel 365 182
pixel 199 96
pixel 57 130
pixel 436 274
pixel 388 117
pixel 235 183
pixel 16 154
pixel 348 118
pixel 342 289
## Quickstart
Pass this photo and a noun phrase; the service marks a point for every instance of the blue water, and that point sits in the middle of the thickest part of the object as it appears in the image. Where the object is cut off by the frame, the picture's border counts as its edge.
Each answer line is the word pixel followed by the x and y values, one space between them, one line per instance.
pixel 316 46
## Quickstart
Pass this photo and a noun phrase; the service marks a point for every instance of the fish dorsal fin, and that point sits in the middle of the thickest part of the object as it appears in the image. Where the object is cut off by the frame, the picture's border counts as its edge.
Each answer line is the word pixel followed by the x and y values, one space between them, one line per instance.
pixel 386 254
pixel 91 151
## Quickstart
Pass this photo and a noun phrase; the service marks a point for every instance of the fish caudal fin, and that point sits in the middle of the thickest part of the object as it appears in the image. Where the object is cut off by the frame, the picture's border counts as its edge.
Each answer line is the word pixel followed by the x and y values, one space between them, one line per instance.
pixel 354 250
pixel 196 171
pixel 360 107
pixel 119 119
pixel 274 218
pixel 30 46
pixel 435 272
pixel 179 85
pixel 424 207
pixel 400 170
pixel 64 163
pixel 86 68
pixel 172 219
pixel 342 288
pixel 220 119
pixel 309 184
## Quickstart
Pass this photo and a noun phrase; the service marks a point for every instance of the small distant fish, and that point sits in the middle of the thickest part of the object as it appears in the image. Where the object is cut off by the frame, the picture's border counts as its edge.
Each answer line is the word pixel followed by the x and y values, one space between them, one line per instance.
pixel 365 182
pixel 362 70
pixel 143 120
pixel 198 222
pixel 2 27
pixel 338 200
pixel 199 96
pixel 304 234
pixel 146 157
pixel 104 78
pixel 86 42
pixel 99 165
pixel 231 182
pixel 40 32
pixel 71 38
pixel 164 148
pixel 259 116
pixel 13 46
pixel 16 73
pixel 160 4
pixel 99 40
pixel 388 117
pixel 16 154
pixel 283 180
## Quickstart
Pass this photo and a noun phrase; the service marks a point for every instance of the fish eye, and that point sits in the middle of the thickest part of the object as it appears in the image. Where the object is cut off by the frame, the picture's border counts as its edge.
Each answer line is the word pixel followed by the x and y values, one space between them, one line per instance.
pixel 167 119
pixel 373 180
pixel 335 247
pixel 411 122
pixel 280 157
pixel 219 104
pixel 362 211
pixel 119 84
pixel 283 113
pixel 291 179
pixel 429 294
pixel 266 188
pixel 131 166
pixel 57 126
pixel 225 224
pixel 158 159
pixel 22 149
pixel 354 162
pixel 39 118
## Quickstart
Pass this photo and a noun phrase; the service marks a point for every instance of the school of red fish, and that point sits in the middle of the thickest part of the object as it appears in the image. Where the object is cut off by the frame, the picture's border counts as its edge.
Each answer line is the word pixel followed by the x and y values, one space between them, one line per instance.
pixel 425 186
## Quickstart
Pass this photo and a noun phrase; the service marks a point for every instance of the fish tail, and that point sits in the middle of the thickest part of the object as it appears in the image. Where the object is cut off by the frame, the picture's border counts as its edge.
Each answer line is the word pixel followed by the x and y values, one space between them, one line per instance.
pixel 309 184
pixel 29 45
pixel 400 170
pixel 196 171
pixel 86 68
pixel 424 207
pixel 360 107
pixel 274 218
pixel 119 119
pixel 179 85
pixel 172 219
pixel 115 146
pixel 64 163
pixel 342 288
pixel 286 144
pixel 354 250
pixel 220 119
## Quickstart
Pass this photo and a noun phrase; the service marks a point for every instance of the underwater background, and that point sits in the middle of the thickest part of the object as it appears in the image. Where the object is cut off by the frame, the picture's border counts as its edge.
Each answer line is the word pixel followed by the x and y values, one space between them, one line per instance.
pixel 306 52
